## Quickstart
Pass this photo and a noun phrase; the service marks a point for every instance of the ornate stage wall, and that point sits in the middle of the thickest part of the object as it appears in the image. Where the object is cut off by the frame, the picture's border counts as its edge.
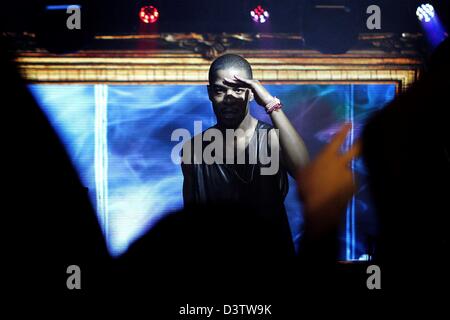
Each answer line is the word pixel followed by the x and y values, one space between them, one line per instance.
pixel 115 111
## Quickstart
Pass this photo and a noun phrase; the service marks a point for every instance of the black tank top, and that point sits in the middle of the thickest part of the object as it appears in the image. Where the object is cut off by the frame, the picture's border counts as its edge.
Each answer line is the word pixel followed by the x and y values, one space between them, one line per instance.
pixel 244 185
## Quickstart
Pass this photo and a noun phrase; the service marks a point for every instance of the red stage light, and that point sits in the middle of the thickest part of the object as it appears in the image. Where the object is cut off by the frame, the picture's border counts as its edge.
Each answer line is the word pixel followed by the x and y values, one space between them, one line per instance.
pixel 148 14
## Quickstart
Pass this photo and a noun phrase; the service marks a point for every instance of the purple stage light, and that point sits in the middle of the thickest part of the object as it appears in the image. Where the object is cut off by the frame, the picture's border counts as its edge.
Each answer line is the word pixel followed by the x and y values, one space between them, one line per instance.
pixel 259 14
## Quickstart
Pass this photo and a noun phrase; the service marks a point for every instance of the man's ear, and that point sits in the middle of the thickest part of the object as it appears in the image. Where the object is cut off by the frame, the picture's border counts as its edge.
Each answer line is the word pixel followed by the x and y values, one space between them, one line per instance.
pixel 250 95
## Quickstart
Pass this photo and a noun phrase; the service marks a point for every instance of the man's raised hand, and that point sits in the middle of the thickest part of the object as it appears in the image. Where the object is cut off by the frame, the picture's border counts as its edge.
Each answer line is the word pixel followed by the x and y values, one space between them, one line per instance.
pixel 262 96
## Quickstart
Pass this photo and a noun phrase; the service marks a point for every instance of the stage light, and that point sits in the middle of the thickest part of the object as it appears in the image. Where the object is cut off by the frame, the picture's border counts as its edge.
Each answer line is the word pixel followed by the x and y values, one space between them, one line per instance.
pixel 148 14
pixel 259 14
pixel 425 12
pixel 434 30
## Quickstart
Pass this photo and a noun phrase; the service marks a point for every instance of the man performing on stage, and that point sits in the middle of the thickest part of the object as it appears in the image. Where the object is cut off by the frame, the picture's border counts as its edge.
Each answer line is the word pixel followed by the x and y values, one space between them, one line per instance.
pixel 231 180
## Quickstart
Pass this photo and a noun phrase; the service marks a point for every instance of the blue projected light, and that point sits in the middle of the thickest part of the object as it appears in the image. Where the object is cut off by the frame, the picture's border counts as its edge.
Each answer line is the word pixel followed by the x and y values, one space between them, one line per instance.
pixel 119 139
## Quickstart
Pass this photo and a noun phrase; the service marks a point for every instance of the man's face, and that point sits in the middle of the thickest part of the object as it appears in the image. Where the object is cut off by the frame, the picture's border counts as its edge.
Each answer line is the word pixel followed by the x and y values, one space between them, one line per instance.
pixel 230 102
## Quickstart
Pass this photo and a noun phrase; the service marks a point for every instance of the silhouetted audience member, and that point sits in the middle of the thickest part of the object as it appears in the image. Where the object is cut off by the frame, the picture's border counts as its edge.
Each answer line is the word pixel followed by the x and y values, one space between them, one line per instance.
pixel 48 222
pixel 406 149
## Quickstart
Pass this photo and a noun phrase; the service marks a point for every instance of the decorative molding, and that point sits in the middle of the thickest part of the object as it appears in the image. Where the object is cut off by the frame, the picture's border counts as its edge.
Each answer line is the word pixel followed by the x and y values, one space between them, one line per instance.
pixel 277 66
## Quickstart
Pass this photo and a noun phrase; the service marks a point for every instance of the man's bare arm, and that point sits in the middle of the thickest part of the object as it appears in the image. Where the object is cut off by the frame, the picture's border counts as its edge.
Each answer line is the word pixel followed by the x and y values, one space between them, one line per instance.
pixel 293 150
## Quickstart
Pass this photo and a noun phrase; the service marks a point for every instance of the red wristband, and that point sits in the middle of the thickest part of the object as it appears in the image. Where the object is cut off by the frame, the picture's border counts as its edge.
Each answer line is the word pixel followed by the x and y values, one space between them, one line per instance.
pixel 273 105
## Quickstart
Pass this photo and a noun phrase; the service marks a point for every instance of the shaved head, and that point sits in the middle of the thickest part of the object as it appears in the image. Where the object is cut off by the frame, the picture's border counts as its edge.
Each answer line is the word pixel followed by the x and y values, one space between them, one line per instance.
pixel 228 61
